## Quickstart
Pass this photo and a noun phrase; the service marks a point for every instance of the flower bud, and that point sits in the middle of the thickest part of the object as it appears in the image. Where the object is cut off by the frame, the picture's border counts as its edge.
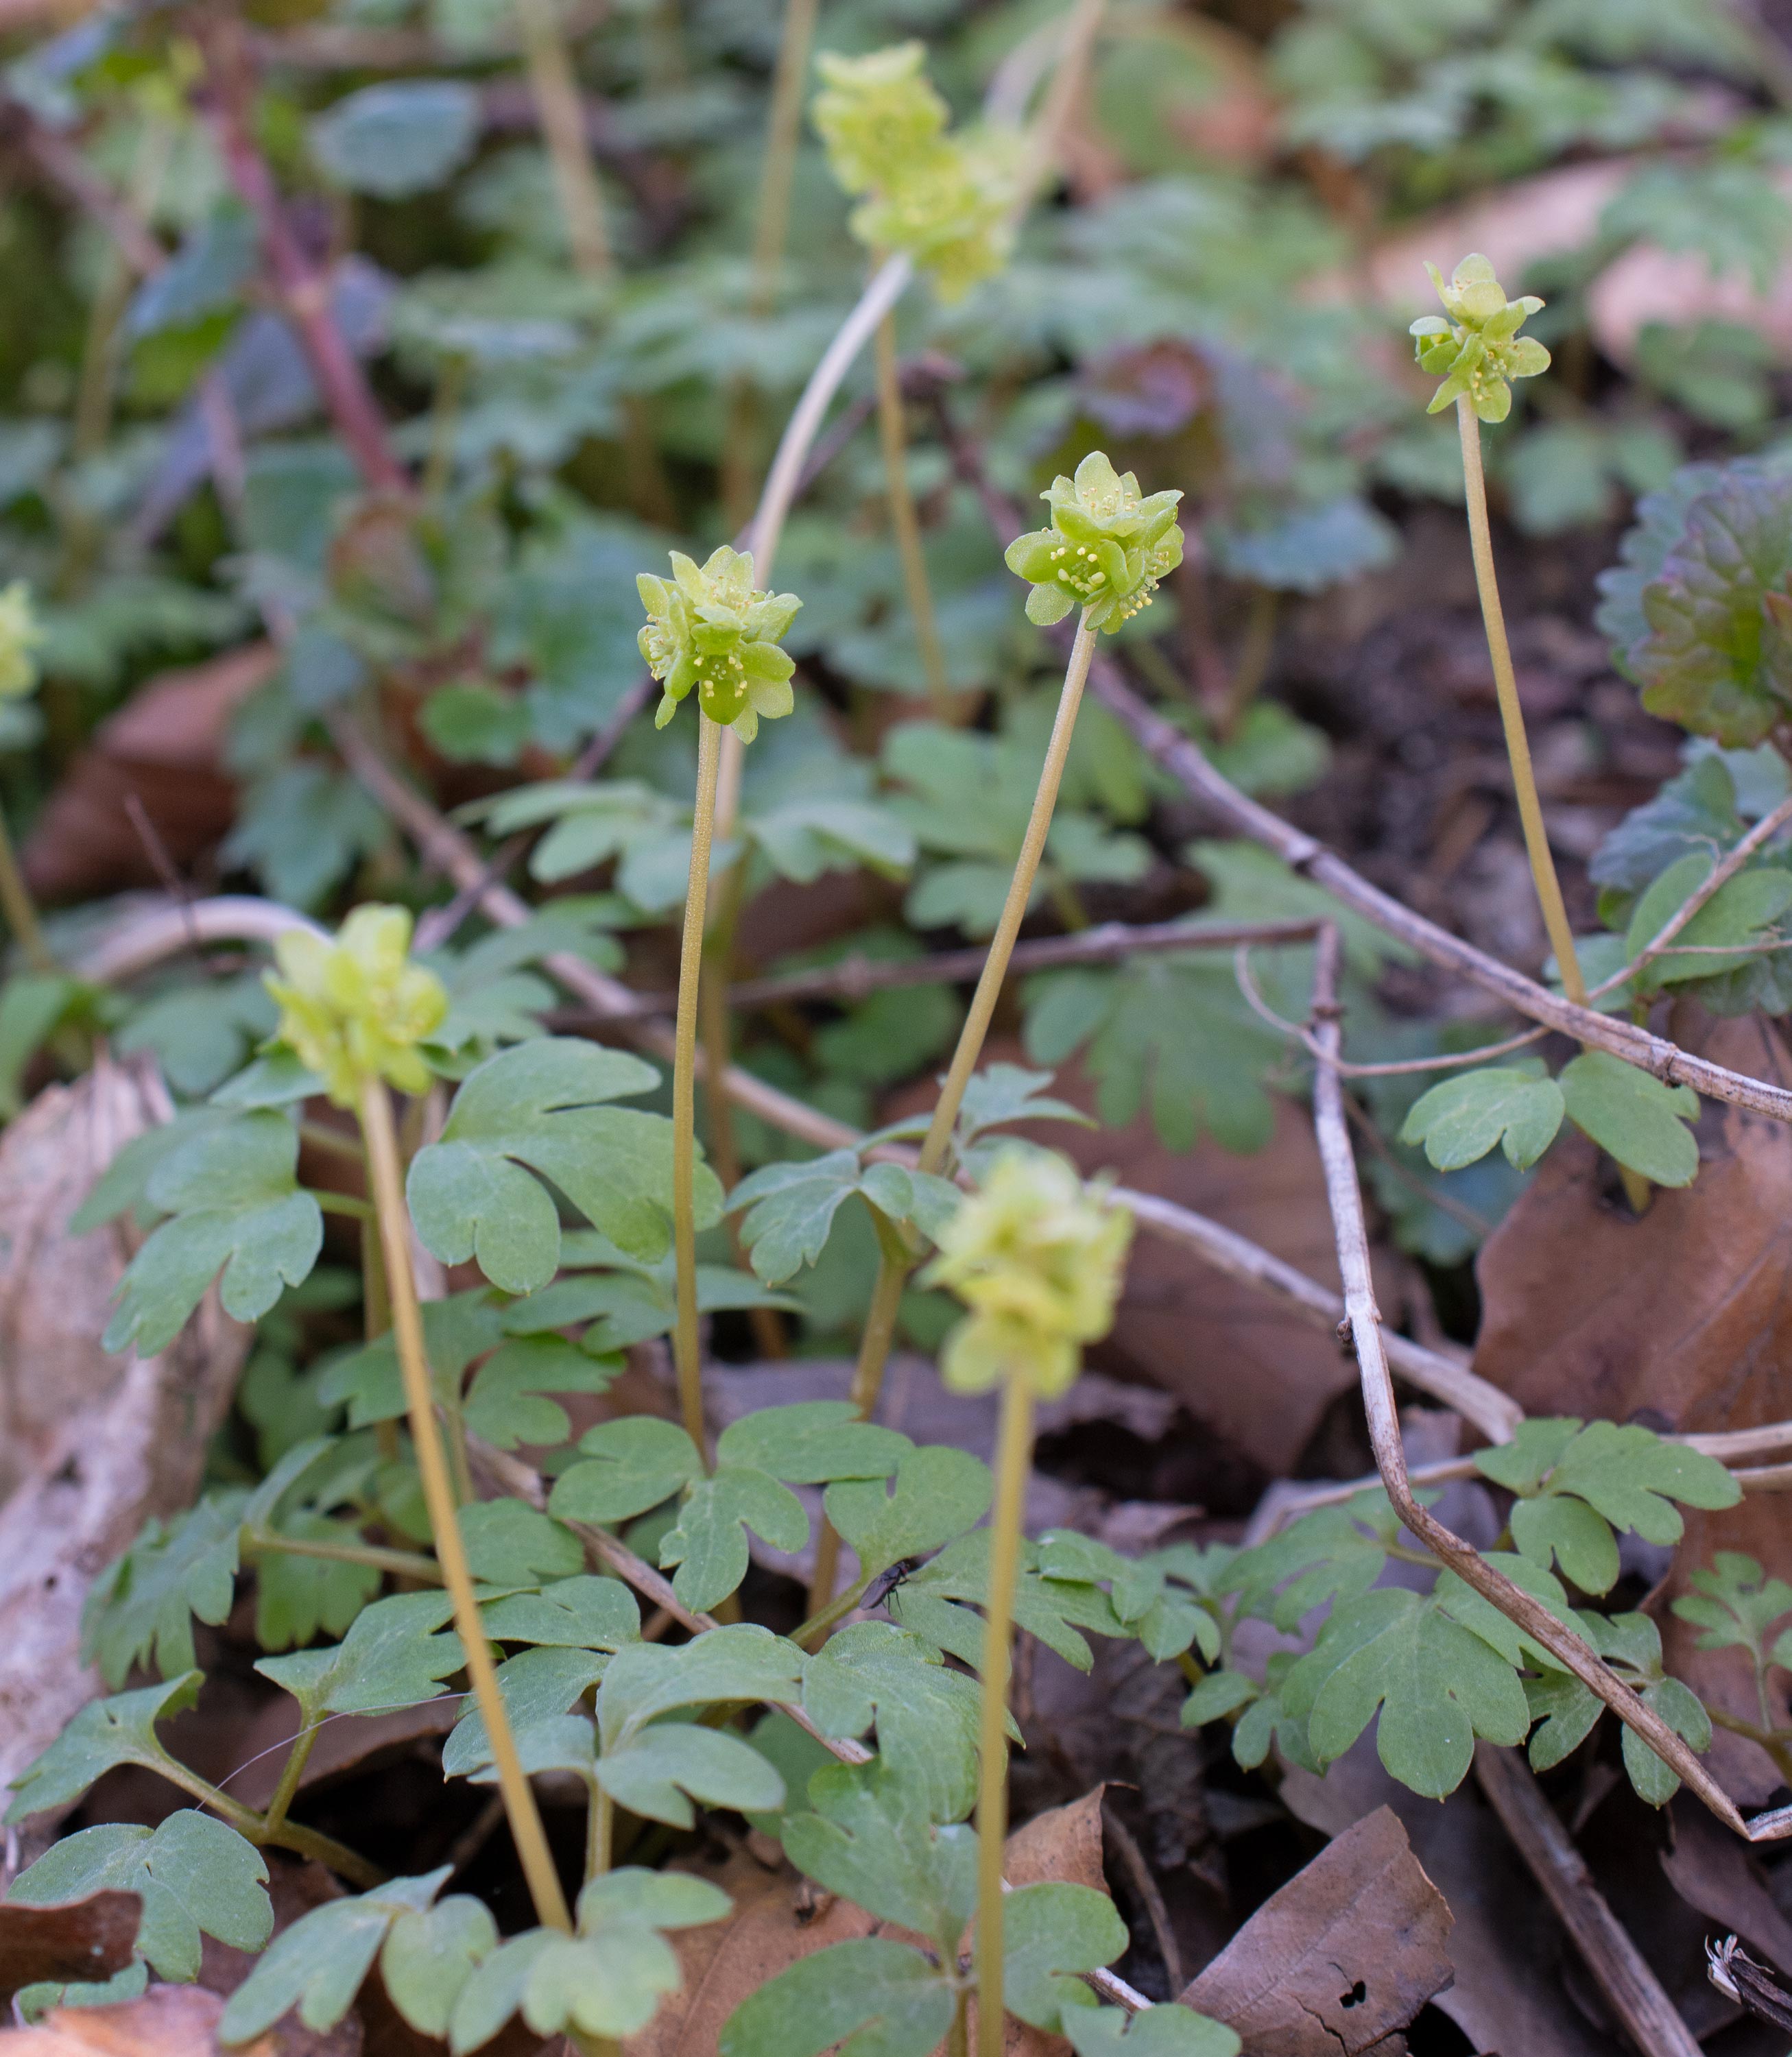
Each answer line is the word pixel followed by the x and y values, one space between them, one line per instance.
pixel 712 628
pixel 21 633
pixel 1106 549
pixel 357 1008
pixel 1478 350
pixel 877 114
pixel 1037 1257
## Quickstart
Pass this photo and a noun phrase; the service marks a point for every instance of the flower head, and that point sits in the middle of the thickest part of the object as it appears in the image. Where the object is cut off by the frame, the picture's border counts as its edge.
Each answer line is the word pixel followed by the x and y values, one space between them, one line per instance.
pixel 1478 350
pixel 712 629
pixel 1106 549
pixel 1036 1256
pixel 950 208
pixel 21 633
pixel 877 114
pixel 357 1008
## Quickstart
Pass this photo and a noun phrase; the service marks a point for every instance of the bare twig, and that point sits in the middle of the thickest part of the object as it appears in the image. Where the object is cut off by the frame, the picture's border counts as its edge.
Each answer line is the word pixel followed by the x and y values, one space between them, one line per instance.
pixel 1630 1988
pixel 63 165
pixel 1344 1198
pixel 1149 1894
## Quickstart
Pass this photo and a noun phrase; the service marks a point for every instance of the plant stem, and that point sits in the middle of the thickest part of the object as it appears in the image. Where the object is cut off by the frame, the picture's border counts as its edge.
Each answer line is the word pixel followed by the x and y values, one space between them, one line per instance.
pixel 684 1108
pixel 599 1832
pixel 445 414
pixel 1013 1457
pixel 400 1563
pixel 825 1617
pixel 381 1137
pixel 342 1203
pixel 956 2039
pixel 376 1317
pixel 895 1260
pixel 933 1151
pixel 556 94
pixel 290 1773
pixel 893 438
pixel 286 1835
pixel 19 908
pixel 1512 714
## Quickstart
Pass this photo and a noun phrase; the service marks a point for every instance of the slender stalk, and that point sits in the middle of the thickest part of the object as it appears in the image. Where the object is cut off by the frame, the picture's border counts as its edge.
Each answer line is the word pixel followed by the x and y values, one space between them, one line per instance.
pixel 957 2041
pixel 451 390
pixel 684 1109
pixel 1512 714
pixel 1013 1457
pixel 934 1149
pixel 402 1564
pixel 555 94
pixel 290 1773
pixel 376 1317
pixel 600 1833
pixel 285 1835
pixel 20 908
pixel 819 1623
pixel 343 1203
pixel 381 1135
pixel 893 438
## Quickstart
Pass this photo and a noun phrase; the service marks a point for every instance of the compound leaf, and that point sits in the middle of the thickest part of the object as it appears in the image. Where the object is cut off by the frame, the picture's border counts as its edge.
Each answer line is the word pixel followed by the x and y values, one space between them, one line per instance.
pixel 146 1601
pixel 874 1998
pixel 1641 1122
pixel 1518 1107
pixel 926 1715
pixel 937 1494
pixel 120 1730
pixel 872 1837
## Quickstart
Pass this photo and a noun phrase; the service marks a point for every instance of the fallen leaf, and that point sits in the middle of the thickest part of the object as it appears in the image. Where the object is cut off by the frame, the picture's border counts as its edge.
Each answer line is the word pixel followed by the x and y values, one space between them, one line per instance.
pixel 1505 1943
pixel 169 2021
pixel 1683 1316
pixel 1714 1871
pixel 1344 1954
pixel 111 1441
pixel 164 746
pixel 88 1940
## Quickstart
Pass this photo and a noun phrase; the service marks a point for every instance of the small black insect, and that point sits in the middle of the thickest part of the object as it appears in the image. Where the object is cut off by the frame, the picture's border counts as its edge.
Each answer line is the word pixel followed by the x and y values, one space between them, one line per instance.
pixel 1736 1974
pixel 886 1582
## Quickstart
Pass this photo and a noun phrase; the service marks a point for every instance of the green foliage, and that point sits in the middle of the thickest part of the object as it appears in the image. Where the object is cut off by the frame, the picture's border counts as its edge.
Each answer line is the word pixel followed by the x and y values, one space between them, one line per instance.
pixel 790 1207
pixel 925 1715
pixel 541 1104
pixel 1519 1107
pixel 392 1657
pixel 874 1998
pixel 1051 1932
pixel 143 1604
pixel 191 1872
pixel 235 1204
pixel 1735 1604
pixel 119 1731
pixel 871 1837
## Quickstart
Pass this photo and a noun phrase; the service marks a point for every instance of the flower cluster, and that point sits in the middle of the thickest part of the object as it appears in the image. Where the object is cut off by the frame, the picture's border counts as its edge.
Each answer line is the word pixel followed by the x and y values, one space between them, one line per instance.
pixel 946 201
pixel 21 633
pixel 712 629
pixel 1478 350
pixel 357 1008
pixel 1106 549
pixel 1036 1256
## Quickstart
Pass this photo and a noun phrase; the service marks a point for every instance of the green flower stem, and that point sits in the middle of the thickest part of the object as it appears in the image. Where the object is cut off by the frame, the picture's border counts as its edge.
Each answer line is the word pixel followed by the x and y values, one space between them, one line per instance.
pixel 893 438
pixel 556 94
pixel 381 1135
pixel 895 1260
pixel 445 414
pixel 819 1623
pixel 400 1563
pixel 957 2043
pixel 684 1109
pixel 376 1318
pixel 1512 715
pixel 600 1833
pixel 1013 1459
pixel 290 1773
pixel 19 908
pixel 933 1151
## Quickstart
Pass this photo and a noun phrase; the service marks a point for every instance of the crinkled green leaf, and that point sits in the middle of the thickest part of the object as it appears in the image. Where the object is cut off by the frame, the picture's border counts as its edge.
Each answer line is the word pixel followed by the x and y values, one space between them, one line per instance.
pixel 192 1873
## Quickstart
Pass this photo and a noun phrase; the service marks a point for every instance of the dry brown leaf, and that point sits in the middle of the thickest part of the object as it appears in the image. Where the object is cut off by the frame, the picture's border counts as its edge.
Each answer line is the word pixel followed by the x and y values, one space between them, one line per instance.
pixel 1343 1956
pixel 89 1940
pixel 169 2021
pixel 164 746
pixel 1712 1870
pixel 112 1440
pixel 778 1919
pixel 1684 1316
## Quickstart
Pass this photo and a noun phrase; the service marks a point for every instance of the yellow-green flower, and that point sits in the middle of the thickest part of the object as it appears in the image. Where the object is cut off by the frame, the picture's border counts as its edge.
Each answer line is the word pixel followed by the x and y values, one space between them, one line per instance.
pixel 1106 549
pixel 951 209
pixel 1036 1256
pixel 21 633
pixel 357 1008
pixel 712 629
pixel 1478 350
pixel 877 114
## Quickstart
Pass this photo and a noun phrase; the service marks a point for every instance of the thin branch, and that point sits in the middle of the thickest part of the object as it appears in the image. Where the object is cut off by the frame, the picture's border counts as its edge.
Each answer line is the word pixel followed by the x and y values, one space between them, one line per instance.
pixel 1630 1988
pixel 1344 1197
pixel 63 165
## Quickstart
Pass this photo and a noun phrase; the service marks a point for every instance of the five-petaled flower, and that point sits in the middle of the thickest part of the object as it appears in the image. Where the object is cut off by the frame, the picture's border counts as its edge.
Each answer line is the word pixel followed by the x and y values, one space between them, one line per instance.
pixel 21 633
pixel 1477 351
pixel 710 628
pixel 1037 1257
pixel 355 1008
pixel 1106 549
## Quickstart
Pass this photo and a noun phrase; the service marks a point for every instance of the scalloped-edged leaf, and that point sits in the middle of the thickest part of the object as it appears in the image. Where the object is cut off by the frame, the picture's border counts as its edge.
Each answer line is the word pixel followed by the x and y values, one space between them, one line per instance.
pixel 508 1543
pixel 120 1730
pixel 652 1771
pixel 399 137
pixel 1050 1933
pixel 790 1207
pixel 1003 1093
pixel 740 1662
pixel 708 1543
pixel 1642 1122
pixel 146 1602
pixel 872 1837
pixel 430 1954
pixel 810 1442
pixel 925 1714
pixel 509 1402
pixel 392 1657
pixel 936 1495
pixel 872 1998
pixel 537 1686
pixel 540 1105
pixel 1517 1107
pixel 630 1465
pixel 192 1873
pixel 587 1612
pixel 456 1330
pixel 929 1603
pixel 236 1205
